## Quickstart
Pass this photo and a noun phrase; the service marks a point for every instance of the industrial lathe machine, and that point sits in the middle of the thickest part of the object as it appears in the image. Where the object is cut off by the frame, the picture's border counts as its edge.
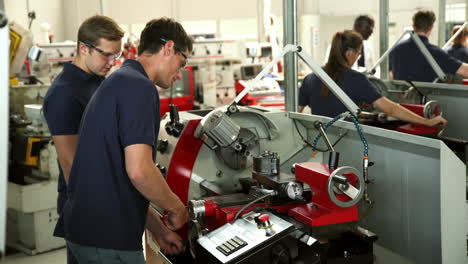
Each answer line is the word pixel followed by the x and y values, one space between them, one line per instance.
pixel 256 192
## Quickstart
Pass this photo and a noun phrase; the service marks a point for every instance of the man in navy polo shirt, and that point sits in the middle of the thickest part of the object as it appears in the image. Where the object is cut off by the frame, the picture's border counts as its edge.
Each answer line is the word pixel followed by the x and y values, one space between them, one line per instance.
pixel 113 177
pixel 99 43
pixel 408 63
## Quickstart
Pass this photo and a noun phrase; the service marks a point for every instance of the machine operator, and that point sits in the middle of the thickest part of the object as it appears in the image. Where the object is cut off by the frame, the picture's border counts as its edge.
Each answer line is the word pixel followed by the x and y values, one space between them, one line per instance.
pixel 408 63
pixel 345 50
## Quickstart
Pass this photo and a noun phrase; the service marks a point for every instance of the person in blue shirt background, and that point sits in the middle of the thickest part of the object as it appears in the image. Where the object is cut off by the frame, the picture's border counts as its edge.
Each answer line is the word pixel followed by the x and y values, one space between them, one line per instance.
pixel 71 91
pixel 113 176
pixel 409 64
pixel 458 48
pixel 345 50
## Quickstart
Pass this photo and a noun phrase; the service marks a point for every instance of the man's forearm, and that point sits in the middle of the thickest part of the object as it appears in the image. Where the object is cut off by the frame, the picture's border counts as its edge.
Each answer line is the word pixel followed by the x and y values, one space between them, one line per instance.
pixel 153 186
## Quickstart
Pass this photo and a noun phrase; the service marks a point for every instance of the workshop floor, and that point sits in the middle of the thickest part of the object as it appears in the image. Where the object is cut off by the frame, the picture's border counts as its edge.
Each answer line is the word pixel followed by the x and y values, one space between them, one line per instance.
pixel 52 257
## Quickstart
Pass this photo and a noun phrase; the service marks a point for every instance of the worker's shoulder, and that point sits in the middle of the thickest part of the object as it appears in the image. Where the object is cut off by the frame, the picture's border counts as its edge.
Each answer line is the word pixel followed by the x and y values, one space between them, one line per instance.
pixel 62 87
pixel 128 77
pixel 355 75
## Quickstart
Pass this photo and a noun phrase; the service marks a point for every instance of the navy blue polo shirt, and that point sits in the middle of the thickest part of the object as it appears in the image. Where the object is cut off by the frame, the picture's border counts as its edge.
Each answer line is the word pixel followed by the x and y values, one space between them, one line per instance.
pixel 353 83
pixel 104 209
pixel 459 52
pixel 64 105
pixel 408 63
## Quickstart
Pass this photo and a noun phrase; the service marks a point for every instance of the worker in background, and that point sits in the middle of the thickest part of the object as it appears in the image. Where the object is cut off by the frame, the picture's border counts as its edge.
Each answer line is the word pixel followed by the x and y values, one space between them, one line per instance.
pixel 458 48
pixel 99 44
pixel 114 177
pixel 408 63
pixel 364 25
pixel 345 50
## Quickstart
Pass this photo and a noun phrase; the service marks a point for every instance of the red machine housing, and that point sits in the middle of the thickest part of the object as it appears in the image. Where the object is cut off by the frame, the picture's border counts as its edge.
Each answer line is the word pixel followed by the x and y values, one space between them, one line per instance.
pixel 322 211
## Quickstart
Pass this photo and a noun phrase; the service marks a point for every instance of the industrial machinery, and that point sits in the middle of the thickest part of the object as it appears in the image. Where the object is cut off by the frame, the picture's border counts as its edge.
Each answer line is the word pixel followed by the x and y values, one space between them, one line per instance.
pixel 446 95
pixel 279 213
pixel 32 168
pixel 265 92
pixel 33 173
pixel 256 193
pixel 20 43
pixel 423 205
pixel 52 57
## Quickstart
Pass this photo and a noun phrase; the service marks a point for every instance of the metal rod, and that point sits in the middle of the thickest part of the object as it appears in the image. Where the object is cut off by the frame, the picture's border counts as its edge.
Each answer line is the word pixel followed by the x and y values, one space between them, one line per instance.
pixel 383 15
pixel 290 60
pixel 460 30
pixel 435 66
pixel 441 22
pixel 319 126
pixel 334 88
pixel 101 7
pixel 385 55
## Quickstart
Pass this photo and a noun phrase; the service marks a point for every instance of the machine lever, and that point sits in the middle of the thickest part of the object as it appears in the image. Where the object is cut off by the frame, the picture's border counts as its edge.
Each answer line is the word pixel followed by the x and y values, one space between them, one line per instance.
pixel 349 190
pixel 341 179
pixel 318 125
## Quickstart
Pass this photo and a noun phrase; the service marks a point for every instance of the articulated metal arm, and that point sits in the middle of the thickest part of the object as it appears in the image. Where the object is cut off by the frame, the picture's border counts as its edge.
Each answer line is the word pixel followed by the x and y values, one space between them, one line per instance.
pixel 336 90
pixel 435 66
pixel 385 55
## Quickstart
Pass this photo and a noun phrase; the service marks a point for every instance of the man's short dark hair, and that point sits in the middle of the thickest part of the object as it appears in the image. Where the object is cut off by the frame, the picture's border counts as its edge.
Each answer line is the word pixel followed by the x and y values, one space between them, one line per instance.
pixel 97 27
pixel 158 31
pixel 423 20
pixel 364 25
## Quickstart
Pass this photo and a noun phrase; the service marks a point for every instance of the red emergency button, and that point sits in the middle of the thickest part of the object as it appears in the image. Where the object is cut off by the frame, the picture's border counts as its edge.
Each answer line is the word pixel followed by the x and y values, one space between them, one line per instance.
pixel 264 217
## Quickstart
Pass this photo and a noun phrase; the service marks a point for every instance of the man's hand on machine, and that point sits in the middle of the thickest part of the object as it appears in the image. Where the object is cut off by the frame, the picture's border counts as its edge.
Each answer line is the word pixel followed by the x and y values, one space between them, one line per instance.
pixel 437 121
pixel 169 242
pixel 176 217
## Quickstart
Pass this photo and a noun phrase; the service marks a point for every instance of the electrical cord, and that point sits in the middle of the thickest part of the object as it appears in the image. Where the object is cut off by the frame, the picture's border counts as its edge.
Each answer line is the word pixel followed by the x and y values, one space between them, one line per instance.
pixel 252 202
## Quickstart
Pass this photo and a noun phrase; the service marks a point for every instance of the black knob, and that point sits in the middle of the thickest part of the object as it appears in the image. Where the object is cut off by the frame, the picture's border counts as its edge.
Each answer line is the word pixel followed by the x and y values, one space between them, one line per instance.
pixel 162 169
pixel 177 129
pixel 168 128
pixel 162 145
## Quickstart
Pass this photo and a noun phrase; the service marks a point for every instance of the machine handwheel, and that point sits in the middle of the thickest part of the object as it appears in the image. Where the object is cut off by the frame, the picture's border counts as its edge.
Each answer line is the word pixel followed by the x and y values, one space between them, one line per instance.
pixel 432 109
pixel 352 192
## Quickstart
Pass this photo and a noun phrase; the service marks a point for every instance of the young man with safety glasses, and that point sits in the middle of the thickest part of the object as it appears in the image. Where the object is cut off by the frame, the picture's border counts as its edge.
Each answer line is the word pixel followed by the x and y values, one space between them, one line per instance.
pixel 99 45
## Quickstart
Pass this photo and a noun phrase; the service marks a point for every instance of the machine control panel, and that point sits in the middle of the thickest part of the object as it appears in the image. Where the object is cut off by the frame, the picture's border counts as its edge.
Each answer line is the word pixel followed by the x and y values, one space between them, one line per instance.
pixel 231 241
